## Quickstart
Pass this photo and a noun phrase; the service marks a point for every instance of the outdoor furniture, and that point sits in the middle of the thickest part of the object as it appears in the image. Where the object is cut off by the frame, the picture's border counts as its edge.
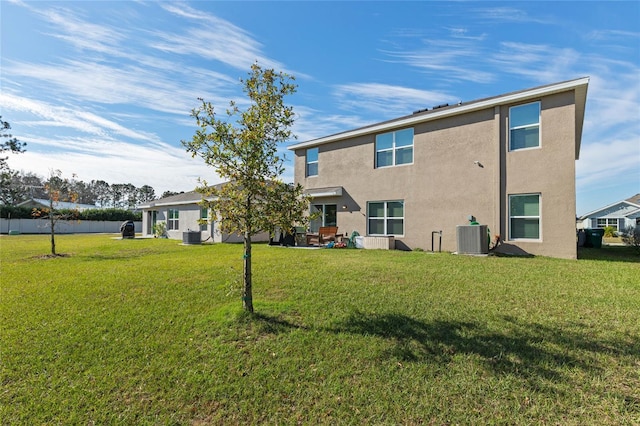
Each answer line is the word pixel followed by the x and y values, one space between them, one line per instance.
pixel 325 235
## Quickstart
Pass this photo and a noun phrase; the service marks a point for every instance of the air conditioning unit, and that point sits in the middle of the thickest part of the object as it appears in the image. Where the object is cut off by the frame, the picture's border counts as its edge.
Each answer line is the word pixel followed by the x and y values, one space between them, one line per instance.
pixel 379 243
pixel 472 239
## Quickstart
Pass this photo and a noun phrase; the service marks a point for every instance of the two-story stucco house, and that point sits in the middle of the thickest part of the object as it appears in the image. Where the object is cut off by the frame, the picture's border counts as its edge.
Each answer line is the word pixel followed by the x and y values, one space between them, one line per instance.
pixel 507 160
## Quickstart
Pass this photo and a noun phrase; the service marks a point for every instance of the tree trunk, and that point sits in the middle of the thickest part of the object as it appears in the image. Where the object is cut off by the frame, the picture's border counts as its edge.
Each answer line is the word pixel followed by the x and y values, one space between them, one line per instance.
pixel 247 297
pixel 53 231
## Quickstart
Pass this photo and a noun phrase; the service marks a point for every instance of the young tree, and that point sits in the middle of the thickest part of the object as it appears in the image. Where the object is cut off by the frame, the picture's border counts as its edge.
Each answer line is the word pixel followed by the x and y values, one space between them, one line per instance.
pixel 245 153
pixel 9 143
pixel 8 191
pixel 58 190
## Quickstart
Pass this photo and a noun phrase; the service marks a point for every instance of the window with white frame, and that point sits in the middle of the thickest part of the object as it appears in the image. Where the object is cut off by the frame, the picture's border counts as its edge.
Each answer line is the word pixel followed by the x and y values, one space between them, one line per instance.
pixel 312 162
pixel 173 219
pixel 603 222
pixel 524 217
pixel 394 148
pixel 385 218
pixel 327 215
pixel 524 126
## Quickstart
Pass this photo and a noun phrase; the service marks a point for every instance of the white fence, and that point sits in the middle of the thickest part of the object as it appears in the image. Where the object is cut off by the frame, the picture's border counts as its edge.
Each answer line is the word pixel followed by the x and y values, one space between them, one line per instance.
pixel 41 226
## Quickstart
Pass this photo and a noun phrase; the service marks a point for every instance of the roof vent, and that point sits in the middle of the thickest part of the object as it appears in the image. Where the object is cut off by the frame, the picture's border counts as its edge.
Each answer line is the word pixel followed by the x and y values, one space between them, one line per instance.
pixel 440 106
pixel 420 110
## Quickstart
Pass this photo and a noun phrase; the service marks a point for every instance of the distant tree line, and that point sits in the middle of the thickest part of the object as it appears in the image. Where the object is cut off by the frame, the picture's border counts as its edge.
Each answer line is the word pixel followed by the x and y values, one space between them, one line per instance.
pixel 21 186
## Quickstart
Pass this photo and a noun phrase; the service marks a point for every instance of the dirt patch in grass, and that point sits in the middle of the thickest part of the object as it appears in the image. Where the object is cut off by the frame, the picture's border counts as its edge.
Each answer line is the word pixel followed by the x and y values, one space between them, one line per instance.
pixel 51 256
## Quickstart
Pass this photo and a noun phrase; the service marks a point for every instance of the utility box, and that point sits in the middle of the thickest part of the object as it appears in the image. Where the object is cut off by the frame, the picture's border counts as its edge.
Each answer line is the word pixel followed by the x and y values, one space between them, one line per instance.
pixel 191 237
pixel 472 239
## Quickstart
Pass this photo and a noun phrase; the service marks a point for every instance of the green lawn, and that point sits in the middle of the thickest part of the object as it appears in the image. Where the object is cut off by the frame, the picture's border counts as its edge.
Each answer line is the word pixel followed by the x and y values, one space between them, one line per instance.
pixel 151 332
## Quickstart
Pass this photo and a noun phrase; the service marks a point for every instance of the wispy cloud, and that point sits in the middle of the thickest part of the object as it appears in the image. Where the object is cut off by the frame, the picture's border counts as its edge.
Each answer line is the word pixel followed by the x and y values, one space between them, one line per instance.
pixel 386 100
pixel 78 32
pixel 456 58
pixel 126 84
pixel 213 38
pixel 76 120
pixel 609 35
pixel 536 62
pixel 507 14
pixel 604 164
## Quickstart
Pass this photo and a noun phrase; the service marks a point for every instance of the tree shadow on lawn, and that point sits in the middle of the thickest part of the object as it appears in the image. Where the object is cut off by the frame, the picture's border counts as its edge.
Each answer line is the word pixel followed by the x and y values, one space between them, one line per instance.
pixel 269 324
pixel 540 354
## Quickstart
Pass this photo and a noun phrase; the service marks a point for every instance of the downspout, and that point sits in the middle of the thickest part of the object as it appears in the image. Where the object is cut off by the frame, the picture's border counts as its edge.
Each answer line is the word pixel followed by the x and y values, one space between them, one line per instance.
pixel 497 176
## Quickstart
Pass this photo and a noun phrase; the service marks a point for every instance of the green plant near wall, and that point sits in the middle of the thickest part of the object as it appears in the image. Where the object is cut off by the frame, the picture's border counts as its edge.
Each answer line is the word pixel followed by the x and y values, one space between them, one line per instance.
pixel 609 231
pixel 160 230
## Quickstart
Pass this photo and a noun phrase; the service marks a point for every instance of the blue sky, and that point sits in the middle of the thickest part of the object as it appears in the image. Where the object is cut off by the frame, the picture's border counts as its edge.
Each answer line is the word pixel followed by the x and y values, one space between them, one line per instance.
pixel 103 89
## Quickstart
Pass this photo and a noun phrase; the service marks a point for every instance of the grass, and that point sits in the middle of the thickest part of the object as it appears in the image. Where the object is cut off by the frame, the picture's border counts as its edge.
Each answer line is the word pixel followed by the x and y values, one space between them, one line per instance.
pixel 151 332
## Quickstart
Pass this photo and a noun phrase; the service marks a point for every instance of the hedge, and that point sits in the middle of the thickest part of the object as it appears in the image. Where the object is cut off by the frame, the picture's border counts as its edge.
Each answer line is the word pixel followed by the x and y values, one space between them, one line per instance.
pixel 13 212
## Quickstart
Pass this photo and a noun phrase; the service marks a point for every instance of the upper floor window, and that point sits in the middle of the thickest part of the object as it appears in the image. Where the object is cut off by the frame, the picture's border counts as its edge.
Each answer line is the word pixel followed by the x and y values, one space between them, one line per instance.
pixel 394 148
pixel 173 219
pixel 524 126
pixel 385 218
pixel 312 162
pixel 524 217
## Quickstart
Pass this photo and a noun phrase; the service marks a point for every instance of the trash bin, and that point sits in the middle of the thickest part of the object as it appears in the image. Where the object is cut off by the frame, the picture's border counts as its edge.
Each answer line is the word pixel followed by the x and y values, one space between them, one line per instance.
pixel 594 237
pixel 128 229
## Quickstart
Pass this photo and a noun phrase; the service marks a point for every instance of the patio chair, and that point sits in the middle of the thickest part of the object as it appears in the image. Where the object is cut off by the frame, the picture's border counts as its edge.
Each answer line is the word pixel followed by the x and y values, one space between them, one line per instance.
pixel 325 235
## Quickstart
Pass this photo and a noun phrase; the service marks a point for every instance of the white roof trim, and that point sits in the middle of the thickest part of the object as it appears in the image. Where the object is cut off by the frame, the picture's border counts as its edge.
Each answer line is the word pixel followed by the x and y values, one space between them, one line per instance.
pixel 591 213
pixel 175 203
pixel 464 108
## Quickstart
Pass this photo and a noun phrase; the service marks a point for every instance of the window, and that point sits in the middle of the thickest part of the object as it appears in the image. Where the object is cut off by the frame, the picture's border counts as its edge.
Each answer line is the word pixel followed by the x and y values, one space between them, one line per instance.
pixel 524 217
pixel 385 218
pixel 327 217
pixel 394 148
pixel 204 215
pixel 172 219
pixel 524 126
pixel 604 222
pixel 312 162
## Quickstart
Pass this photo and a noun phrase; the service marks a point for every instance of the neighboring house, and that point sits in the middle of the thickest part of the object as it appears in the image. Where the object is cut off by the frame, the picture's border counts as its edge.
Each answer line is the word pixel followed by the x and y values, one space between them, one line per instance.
pixel 508 160
pixel 42 203
pixel 620 215
pixel 181 213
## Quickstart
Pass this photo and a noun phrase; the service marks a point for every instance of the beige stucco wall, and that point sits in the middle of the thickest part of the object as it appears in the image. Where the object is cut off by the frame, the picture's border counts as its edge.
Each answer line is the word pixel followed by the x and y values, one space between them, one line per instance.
pixel 444 186
pixel 550 171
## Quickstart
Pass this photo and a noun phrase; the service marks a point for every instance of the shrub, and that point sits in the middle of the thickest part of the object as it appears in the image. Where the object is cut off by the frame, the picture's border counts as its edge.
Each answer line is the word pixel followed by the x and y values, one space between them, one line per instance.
pixel 609 231
pixel 120 215
pixel 160 230
pixel 110 214
pixel 14 212
pixel 631 237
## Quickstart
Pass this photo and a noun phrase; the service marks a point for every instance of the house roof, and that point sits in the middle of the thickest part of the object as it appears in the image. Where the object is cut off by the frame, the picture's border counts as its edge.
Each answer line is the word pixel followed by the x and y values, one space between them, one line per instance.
pixel 190 197
pixel 579 85
pixel 41 202
pixel 627 207
pixel 184 198
pixel 635 199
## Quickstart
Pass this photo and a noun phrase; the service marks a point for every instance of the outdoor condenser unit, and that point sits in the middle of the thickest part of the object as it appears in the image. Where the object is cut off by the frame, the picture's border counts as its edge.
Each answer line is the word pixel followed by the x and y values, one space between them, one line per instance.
pixel 472 239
